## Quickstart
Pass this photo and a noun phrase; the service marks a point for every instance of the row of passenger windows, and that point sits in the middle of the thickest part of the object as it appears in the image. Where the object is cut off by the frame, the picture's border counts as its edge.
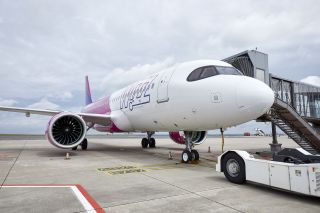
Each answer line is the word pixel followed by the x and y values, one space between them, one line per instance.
pixel 133 92
pixel 208 71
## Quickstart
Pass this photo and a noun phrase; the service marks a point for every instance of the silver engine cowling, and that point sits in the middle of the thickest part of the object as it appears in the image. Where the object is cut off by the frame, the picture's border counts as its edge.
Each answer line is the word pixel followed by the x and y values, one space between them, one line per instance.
pixel 198 137
pixel 66 130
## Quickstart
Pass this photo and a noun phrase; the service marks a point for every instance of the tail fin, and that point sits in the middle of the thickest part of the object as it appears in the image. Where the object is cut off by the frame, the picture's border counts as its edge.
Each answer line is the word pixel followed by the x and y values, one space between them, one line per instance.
pixel 88 92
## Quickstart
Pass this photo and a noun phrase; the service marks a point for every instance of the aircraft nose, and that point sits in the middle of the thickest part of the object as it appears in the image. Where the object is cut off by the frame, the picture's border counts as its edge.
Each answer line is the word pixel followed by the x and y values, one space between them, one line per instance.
pixel 254 95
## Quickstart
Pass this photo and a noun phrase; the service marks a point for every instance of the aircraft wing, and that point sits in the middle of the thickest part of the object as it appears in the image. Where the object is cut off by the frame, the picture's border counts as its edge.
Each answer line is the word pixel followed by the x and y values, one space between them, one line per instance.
pixel 100 119
pixel 29 111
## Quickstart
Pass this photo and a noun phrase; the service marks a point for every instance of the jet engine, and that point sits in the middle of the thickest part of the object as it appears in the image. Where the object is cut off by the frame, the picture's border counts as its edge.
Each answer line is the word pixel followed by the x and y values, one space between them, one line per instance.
pixel 66 130
pixel 198 137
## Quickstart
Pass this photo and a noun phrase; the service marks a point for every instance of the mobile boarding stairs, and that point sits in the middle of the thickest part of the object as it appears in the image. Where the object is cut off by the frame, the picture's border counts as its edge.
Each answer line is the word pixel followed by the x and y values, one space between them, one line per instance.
pixel 296 111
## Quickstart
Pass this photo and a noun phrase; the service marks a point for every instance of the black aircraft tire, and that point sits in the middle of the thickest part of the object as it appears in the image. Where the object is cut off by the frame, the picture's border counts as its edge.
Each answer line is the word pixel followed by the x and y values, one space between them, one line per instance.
pixel 152 143
pixel 234 168
pixel 186 156
pixel 84 144
pixel 195 155
pixel 144 143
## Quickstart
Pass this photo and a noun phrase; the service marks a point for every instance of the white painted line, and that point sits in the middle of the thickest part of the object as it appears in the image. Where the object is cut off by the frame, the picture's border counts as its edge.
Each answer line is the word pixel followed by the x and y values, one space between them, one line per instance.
pixel 83 200
pixel 87 206
pixel 35 186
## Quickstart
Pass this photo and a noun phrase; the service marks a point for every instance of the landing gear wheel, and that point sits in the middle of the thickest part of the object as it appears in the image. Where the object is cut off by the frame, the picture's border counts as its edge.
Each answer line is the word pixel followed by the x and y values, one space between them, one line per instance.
pixel 144 143
pixel 152 143
pixel 84 144
pixel 186 156
pixel 75 148
pixel 195 155
pixel 234 168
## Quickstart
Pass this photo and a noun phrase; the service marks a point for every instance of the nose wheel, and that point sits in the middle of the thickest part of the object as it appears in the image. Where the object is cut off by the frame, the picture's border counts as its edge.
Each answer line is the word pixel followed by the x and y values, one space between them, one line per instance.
pixel 195 154
pixel 186 156
pixel 148 142
pixel 189 154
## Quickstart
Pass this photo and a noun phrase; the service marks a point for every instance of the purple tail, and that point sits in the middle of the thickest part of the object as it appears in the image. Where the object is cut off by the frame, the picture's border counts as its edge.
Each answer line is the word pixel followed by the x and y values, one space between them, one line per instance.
pixel 88 92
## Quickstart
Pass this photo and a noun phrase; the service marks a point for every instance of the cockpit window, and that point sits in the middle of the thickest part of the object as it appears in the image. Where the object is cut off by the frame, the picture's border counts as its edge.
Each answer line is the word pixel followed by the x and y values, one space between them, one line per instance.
pixel 195 75
pixel 228 71
pixel 208 71
pixel 202 72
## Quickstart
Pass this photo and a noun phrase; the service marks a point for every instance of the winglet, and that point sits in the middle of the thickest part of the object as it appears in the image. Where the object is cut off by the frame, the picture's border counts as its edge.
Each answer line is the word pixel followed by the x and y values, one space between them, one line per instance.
pixel 88 92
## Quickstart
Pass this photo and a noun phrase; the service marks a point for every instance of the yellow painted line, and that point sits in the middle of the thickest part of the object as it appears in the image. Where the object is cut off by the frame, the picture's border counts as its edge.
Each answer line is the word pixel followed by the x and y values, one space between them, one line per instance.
pixel 119 170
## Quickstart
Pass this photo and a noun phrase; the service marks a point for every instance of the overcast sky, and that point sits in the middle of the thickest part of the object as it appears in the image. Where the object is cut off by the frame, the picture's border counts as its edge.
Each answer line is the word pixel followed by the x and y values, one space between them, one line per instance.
pixel 47 47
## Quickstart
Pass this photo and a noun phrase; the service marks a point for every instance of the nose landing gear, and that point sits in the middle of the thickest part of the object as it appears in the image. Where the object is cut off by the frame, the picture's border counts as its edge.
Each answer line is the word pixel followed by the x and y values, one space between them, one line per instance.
pixel 149 141
pixel 189 154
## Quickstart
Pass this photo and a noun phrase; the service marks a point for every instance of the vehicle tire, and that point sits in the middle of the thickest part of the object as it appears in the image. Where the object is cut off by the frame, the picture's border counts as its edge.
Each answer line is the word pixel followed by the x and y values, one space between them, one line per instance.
pixel 152 143
pixel 84 144
pixel 186 156
pixel 75 148
pixel 234 168
pixel 195 155
pixel 144 143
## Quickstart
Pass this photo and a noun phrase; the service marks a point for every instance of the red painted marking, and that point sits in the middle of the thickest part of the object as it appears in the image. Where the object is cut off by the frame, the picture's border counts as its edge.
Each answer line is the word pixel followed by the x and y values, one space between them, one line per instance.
pixel 38 185
pixel 93 203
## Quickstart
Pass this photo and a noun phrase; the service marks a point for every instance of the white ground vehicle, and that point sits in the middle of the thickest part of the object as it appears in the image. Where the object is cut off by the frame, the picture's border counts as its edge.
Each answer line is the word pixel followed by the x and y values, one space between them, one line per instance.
pixel 291 169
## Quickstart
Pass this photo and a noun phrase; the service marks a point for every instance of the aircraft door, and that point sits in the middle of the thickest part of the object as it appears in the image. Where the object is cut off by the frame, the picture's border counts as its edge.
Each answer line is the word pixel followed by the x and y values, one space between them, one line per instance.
pixel 163 93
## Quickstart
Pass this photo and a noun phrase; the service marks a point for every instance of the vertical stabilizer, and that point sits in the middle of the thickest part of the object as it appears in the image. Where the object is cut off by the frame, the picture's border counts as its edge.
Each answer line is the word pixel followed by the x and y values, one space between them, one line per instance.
pixel 88 92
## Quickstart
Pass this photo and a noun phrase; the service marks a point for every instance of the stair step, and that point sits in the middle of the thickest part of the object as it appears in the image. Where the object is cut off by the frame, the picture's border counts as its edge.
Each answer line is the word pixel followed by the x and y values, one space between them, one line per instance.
pixel 288 121
pixel 307 146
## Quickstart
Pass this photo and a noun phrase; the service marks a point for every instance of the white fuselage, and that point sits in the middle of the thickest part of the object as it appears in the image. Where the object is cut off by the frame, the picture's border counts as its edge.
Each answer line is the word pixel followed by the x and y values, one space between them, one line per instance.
pixel 166 101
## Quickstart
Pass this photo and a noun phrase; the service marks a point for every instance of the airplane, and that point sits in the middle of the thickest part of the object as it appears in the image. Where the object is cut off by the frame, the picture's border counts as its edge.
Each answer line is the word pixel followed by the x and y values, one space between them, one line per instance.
pixel 259 132
pixel 187 100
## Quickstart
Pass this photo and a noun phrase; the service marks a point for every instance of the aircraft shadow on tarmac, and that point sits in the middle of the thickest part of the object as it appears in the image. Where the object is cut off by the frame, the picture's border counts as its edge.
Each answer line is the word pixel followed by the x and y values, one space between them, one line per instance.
pixel 55 153
pixel 103 148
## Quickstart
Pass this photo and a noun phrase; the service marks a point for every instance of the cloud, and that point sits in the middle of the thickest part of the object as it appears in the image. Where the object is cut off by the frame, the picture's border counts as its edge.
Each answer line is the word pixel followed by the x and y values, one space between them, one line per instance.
pixel 120 77
pixel 63 96
pixel 12 123
pixel 7 102
pixel 47 47
pixel 44 103
pixel 313 80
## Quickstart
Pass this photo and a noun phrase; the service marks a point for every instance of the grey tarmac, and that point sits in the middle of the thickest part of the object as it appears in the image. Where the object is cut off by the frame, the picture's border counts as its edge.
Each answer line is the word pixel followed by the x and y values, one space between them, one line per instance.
pixel 122 177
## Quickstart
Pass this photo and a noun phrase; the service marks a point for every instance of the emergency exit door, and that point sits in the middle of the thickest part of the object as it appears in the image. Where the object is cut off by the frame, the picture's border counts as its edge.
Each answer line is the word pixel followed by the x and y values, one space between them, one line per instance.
pixel 163 86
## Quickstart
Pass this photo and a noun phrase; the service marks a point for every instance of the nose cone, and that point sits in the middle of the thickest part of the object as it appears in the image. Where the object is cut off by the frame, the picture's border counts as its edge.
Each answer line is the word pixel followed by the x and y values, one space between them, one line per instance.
pixel 254 96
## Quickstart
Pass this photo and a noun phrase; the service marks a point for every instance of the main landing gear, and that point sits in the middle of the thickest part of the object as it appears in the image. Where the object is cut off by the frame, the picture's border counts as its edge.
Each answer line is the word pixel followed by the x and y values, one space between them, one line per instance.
pixel 189 154
pixel 149 141
pixel 84 145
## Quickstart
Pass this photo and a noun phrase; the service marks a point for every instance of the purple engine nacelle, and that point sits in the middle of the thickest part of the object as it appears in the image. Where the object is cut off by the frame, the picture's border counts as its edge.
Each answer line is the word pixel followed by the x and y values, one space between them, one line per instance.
pixel 198 137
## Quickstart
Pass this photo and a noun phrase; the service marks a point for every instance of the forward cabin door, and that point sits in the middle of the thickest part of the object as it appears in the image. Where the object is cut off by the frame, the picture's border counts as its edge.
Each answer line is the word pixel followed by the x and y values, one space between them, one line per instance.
pixel 163 85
